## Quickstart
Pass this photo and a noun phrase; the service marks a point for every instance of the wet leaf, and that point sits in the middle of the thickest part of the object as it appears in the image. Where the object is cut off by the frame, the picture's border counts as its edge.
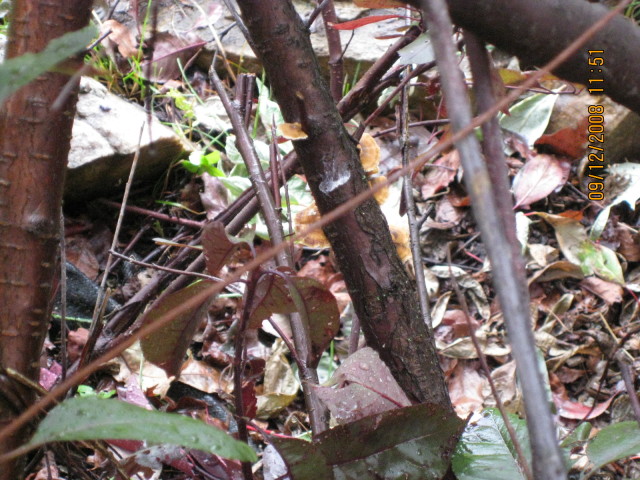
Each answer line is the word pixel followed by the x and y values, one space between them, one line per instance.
pixel 593 259
pixel 167 346
pixel 280 386
pixel 391 445
pixel 93 418
pixel 120 38
pixel 438 178
pixel 466 387
pixel 365 387
pixel 579 411
pixel 486 452
pixel 169 51
pixel 417 52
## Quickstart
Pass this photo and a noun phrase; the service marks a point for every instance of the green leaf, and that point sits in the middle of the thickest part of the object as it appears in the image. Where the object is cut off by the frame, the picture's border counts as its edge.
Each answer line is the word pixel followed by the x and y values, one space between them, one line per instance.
pixel 94 418
pixel 417 52
pixel 268 110
pixel 486 452
pixel 601 261
pixel 530 117
pixel 17 72
pixel 612 443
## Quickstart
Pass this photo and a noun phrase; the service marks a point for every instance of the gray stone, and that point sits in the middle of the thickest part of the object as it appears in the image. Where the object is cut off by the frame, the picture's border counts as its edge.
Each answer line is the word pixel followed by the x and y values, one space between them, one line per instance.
pixel 187 19
pixel 105 138
pixel 620 124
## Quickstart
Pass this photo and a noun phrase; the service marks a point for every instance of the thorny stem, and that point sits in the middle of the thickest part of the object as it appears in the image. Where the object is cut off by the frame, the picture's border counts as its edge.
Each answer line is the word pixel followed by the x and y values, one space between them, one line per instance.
pixel 58 391
pixel 239 361
pixel 336 72
pixel 96 321
pixel 299 328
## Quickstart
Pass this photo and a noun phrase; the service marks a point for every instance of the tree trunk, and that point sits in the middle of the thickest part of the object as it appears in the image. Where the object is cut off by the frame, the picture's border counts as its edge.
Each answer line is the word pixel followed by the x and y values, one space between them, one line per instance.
pixel 383 295
pixel 34 143
pixel 537 31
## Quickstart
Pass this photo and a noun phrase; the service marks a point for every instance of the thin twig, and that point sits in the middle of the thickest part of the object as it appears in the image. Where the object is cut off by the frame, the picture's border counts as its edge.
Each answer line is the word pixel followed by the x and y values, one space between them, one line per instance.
pixel 173 270
pixel 522 459
pixel 96 322
pixel 239 361
pixel 299 327
pixel 336 66
pixel 407 191
pixel 64 360
pixel 150 213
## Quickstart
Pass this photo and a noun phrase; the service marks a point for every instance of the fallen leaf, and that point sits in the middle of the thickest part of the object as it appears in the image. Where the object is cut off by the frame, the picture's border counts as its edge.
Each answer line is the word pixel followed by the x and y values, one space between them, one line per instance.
pixel 568 142
pixel 465 389
pixel 438 178
pixel 121 39
pixel 540 176
pixel 610 292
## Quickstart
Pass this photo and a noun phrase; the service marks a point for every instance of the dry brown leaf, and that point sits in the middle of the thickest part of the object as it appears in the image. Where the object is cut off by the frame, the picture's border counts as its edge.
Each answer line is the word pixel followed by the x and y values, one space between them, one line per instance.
pixel 121 39
pixel 608 291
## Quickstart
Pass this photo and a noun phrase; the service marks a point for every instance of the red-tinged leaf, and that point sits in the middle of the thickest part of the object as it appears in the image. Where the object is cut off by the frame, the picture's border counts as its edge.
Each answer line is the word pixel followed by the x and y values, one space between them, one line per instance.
pixel 365 387
pixel 167 346
pixel 321 309
pixel 249 399
pixel 568 142
pixel 608 291
pixel 440 177
pixel 379 3
pixel 219 250
pixel 361 22
pixel 578 411
pixel 394 444
pixel 538 178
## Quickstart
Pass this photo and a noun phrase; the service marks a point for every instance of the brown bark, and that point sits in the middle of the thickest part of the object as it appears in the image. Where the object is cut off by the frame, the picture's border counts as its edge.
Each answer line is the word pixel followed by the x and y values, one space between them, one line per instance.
pixel 537 31
pixel 34 143
pixel 383 295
